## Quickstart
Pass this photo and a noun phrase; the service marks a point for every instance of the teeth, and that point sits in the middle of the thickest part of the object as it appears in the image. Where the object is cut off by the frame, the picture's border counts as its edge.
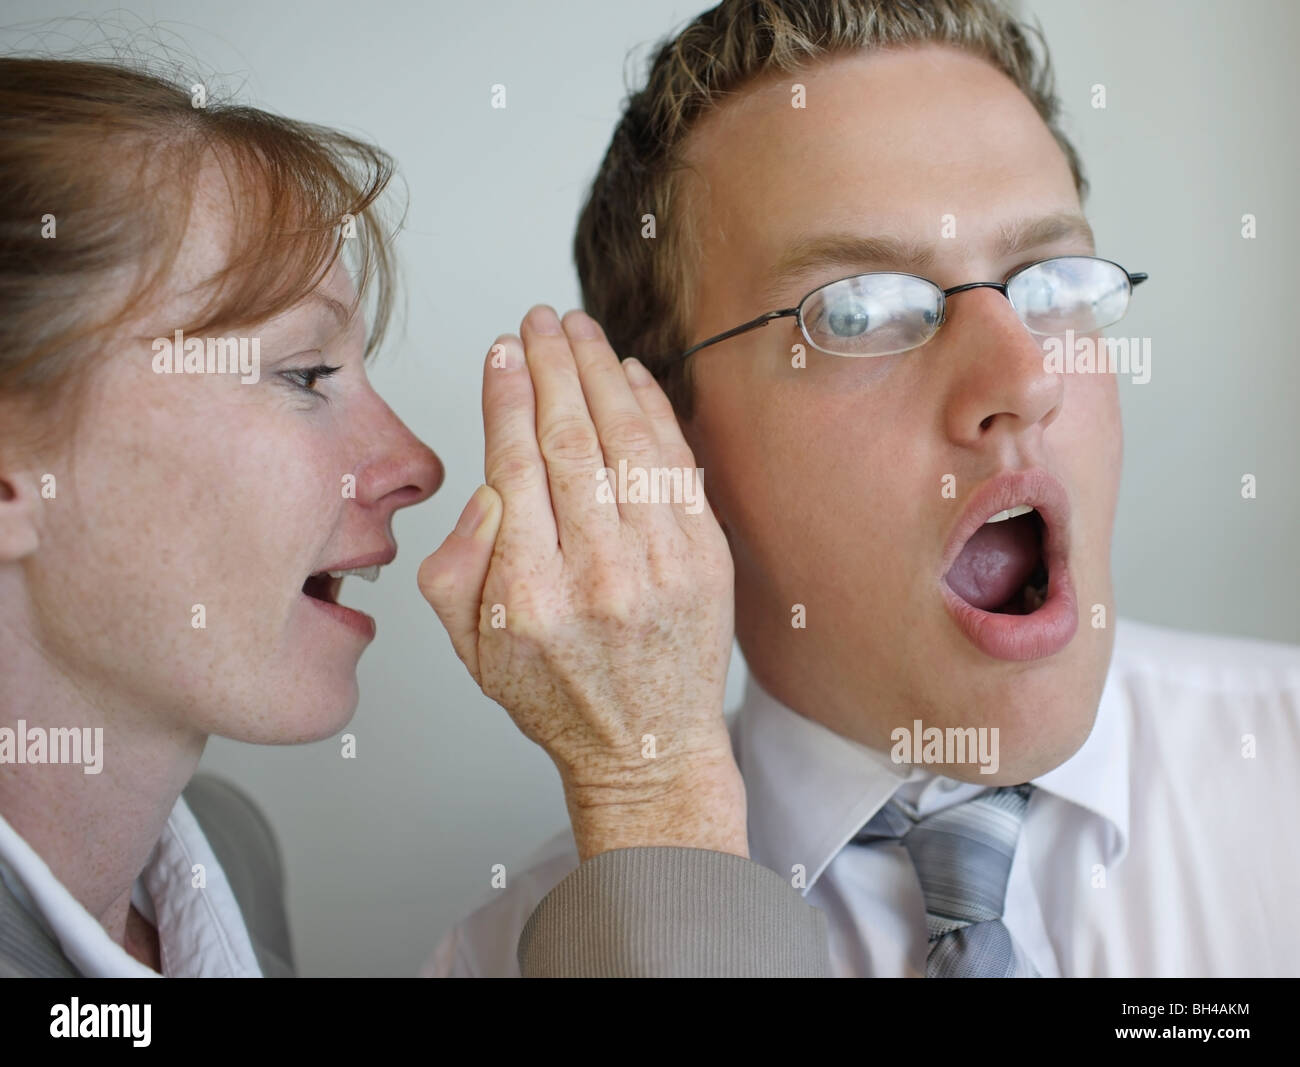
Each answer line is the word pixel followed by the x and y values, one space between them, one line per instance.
pixel 370 574
pixel 1010 513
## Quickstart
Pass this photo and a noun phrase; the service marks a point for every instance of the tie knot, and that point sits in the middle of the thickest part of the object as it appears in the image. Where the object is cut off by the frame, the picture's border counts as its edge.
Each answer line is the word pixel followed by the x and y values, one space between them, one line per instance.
pixel 1003 807
pixel 962 857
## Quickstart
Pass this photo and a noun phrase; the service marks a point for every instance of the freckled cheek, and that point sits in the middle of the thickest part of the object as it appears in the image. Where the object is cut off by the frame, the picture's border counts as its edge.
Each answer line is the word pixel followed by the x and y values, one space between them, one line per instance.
pixel 325 476
pixel 250 509
pixel 293 499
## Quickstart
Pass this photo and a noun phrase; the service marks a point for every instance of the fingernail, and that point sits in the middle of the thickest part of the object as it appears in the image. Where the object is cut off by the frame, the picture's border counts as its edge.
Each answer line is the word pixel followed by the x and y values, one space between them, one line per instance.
pixel 506 356
pixel 636 372
pixel 472 517
pixel 544 319
pixel 583 326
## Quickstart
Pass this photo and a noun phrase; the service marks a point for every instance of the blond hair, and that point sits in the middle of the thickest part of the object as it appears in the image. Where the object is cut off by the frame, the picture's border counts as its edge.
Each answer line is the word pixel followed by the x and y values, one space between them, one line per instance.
pixel 640 290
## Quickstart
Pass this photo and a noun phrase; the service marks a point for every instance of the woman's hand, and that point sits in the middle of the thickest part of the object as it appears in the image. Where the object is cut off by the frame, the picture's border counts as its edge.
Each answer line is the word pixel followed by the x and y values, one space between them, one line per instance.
pixel 603 626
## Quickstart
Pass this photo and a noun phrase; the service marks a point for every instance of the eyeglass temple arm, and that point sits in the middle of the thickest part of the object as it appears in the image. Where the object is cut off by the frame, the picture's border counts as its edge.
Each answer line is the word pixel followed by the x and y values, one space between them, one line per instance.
pixel 752 324
pixel 1138 278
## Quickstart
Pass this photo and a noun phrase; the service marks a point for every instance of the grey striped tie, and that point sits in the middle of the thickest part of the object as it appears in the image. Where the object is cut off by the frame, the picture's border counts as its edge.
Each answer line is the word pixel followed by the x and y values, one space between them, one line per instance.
pixel 963 858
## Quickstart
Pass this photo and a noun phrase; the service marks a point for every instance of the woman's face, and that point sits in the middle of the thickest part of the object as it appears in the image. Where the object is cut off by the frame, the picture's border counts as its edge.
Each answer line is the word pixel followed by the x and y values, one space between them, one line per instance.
pixel 191 509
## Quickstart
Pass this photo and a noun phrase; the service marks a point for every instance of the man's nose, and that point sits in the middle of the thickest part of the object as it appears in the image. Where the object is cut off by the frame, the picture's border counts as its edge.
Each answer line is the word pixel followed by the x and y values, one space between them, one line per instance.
pixel 1001 383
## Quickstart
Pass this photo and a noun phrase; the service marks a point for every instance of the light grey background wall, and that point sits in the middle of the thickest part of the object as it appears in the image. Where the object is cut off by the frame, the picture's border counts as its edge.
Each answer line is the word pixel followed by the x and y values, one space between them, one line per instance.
pixel 387 850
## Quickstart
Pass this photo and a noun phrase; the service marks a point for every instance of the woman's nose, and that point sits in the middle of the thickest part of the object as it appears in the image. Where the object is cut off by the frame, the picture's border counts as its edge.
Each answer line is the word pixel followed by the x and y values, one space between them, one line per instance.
pixel 401 470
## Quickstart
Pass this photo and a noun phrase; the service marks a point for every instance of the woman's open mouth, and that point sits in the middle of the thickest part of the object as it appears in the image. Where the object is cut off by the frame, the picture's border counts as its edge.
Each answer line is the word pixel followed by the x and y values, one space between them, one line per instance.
pixel 322 589
pixel 1007 584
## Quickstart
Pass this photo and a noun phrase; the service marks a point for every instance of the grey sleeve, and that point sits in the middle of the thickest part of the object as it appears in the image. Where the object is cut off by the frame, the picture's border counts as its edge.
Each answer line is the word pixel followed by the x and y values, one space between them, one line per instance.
pixel 673 912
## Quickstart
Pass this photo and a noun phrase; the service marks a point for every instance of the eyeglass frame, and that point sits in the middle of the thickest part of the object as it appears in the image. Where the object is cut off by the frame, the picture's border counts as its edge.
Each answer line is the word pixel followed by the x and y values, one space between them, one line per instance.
pixel 1136 278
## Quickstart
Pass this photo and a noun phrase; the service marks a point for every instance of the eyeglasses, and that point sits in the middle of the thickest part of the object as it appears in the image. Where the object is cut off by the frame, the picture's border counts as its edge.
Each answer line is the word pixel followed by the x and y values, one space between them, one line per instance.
pixel 882 314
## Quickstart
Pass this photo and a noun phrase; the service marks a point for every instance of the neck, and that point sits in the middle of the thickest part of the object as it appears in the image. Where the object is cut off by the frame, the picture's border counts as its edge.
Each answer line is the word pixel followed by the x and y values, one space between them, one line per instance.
pixel 94 831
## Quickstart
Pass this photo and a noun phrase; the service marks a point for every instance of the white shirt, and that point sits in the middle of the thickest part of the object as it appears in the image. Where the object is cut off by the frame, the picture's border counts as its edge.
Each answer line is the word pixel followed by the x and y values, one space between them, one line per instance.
pixel 201 932
pixel 1163 847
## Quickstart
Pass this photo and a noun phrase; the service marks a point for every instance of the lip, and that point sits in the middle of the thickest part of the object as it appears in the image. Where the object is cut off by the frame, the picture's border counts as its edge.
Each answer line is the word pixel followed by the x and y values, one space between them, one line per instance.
pixel 358 621
pixel 1054 624
pixel 382 558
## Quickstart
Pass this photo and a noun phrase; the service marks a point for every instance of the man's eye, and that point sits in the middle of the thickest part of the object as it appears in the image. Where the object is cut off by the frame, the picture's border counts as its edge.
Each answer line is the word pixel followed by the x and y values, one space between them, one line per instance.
pixel 307 377
pixel 848 319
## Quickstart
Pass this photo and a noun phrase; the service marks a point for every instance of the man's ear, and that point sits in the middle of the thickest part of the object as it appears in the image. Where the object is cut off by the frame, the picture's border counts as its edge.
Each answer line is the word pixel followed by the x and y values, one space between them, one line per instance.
pixel 20 504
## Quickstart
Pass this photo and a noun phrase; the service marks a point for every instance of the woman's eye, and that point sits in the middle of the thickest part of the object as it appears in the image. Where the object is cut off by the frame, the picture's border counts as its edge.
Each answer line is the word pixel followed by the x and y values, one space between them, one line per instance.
pixel 307 377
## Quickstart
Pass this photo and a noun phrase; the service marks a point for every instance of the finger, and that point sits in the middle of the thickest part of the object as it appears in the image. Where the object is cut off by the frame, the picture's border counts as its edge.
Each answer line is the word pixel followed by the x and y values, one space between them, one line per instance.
pixel 566 435
pixel 675 452
pixel 628 441
pixel 512 461
pixel 452 578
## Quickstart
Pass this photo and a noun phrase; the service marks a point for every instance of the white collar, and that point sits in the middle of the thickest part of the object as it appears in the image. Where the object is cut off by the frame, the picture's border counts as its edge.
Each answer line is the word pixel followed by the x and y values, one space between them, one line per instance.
pixel 201 932
pixel 810 790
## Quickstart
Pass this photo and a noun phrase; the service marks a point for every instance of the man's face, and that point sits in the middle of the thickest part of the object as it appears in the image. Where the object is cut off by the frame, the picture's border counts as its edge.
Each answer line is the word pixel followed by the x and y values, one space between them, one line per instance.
pixel 830 478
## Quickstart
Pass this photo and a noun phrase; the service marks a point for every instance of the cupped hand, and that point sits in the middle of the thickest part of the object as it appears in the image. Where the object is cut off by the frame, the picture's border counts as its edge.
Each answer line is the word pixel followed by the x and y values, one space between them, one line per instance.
pixel 588 589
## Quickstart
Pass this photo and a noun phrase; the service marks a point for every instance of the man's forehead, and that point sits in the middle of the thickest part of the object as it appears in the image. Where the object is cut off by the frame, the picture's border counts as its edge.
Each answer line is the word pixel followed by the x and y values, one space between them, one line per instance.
pixel 860 86
pixel 888 145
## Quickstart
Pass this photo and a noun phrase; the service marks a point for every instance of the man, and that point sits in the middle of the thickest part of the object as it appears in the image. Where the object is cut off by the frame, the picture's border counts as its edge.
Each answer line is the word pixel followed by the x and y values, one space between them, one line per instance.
pixel 949 744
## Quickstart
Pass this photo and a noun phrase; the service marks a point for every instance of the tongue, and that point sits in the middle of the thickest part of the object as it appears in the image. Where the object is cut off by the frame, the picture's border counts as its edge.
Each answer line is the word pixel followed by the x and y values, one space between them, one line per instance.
pixel 996 563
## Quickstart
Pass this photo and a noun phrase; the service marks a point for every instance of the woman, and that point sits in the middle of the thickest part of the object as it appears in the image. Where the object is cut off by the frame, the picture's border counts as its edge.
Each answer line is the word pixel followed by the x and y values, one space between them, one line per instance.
pixel 191 460
pixel 211 507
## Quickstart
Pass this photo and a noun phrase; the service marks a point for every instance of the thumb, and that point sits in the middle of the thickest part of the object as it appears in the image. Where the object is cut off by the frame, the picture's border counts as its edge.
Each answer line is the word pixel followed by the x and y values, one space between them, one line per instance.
pixel 452 579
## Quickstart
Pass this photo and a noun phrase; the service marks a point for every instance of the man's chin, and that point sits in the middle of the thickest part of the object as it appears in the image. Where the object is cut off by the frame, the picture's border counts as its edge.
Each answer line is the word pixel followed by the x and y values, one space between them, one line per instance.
pixel 1009 769
pixel 994 749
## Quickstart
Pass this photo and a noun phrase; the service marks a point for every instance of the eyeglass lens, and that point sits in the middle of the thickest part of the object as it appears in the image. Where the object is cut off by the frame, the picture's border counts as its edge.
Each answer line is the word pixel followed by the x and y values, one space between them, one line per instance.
pixel 881 314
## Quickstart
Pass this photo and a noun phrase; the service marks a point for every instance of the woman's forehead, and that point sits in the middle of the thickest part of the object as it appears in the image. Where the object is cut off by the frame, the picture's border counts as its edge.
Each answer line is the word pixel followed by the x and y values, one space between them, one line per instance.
pixel 224 205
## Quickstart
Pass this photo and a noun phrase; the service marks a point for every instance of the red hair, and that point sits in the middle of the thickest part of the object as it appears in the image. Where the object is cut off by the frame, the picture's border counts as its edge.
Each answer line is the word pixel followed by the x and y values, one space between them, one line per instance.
pixel 99 162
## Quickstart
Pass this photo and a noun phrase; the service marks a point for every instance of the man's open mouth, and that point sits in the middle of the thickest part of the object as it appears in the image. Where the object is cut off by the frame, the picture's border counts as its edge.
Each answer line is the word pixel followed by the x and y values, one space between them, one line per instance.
pixel 1002 568
pixel 1007 583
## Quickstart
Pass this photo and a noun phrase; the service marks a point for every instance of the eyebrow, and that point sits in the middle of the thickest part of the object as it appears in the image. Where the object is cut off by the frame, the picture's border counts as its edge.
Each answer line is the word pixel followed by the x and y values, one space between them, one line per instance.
pixel 337 308
pixel 855 251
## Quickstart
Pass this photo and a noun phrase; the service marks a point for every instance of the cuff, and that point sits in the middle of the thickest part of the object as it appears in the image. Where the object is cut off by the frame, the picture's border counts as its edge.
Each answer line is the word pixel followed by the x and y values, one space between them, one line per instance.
pixel 673 912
